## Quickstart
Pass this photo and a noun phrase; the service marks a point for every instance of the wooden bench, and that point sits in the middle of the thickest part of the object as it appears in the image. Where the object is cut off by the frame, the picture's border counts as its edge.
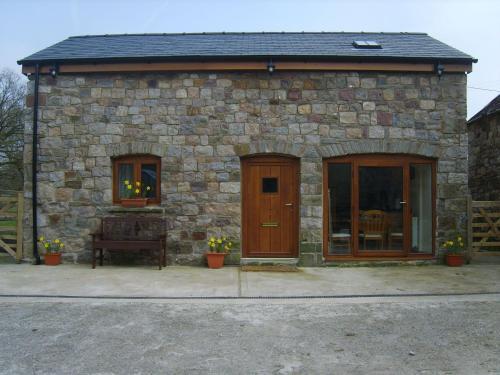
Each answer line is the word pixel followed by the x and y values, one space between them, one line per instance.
pixel 131 233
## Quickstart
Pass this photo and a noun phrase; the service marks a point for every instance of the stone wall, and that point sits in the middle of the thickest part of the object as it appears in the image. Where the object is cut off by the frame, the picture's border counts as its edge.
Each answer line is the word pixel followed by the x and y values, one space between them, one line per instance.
pixel 200 125
pixel 484 158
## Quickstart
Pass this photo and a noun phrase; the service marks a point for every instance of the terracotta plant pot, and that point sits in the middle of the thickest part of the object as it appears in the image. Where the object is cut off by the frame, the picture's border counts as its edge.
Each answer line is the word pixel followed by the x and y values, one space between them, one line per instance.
pixel 52 259
pixel 215 260
pixel 134 202
pixel 454 260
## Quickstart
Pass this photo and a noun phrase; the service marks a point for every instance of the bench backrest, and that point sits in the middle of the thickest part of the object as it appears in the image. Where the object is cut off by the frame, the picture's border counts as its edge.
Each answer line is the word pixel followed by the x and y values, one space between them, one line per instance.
pixel 132 228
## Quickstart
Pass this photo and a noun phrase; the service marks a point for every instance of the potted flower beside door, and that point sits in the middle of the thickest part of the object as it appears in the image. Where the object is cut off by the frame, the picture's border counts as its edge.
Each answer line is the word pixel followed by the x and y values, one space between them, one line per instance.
pixel 52 250
pixel 454 256
pixel 219 247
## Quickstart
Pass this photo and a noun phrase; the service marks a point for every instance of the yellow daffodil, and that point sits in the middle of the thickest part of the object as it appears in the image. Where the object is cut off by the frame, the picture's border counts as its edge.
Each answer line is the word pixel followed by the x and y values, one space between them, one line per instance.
pixel 137 191
pixel 219 241
pixel 129 187
pixel 46 245
pixel 41 239
pixel 126 182
pixel 212 239
pixel 57 240
pixel 61 245
pixel 138 183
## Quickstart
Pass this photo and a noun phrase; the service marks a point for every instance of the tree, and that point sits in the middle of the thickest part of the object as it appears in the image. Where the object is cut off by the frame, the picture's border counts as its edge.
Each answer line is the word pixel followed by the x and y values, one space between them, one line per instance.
pixel 12 92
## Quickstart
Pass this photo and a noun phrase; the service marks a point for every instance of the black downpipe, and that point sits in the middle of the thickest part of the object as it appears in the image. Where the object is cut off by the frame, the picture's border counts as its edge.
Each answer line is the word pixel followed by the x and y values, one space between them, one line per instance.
pixel 34 162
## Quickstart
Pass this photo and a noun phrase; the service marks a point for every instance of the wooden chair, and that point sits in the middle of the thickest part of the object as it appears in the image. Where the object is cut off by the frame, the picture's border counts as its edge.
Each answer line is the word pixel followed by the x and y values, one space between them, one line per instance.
pixel 395 229
pixel 342 239
pixel 374 227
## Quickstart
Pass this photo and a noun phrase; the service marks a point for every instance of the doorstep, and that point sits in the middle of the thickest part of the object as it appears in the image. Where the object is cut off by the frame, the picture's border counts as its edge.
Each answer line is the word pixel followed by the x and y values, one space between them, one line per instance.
pixel 269 261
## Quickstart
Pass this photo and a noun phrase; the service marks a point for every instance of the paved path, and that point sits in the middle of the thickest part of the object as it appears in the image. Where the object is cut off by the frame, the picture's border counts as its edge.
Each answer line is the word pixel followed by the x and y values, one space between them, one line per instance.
pixel 81 280
pixel 399 335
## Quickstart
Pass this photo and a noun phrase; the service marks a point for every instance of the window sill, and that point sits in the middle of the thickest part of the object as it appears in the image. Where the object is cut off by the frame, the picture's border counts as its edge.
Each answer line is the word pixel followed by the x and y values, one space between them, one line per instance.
pixel 147 209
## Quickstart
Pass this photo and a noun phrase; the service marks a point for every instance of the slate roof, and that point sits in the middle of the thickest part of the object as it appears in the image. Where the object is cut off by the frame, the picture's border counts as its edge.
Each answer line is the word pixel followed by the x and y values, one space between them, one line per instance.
pixel 490 109
pixel 290 45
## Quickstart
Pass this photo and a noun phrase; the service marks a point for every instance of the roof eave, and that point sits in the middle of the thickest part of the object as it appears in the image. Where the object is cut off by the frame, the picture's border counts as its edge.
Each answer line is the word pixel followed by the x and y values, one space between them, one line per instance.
pixel 481 116
pixel 393 59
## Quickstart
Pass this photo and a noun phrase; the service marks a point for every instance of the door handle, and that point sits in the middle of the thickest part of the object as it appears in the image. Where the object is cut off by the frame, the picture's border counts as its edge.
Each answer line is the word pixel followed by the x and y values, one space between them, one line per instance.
pixel 288 204
pixel 402 202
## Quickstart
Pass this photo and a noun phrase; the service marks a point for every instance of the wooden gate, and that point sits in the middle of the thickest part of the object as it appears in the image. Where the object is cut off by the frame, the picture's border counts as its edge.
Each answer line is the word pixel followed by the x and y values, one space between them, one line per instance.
pixel 11 224
pixel 483 227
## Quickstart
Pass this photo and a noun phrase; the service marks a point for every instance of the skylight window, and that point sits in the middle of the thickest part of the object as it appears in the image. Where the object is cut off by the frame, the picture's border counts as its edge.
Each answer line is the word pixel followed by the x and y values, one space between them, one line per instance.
pixel 366 44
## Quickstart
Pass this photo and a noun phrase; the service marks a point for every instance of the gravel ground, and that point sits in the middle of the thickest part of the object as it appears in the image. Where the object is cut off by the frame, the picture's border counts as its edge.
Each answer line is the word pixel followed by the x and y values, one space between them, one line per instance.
pixel 399 336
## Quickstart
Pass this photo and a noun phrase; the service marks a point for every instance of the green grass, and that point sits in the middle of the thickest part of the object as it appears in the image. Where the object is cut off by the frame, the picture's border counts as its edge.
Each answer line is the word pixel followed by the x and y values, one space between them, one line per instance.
pixel 7 223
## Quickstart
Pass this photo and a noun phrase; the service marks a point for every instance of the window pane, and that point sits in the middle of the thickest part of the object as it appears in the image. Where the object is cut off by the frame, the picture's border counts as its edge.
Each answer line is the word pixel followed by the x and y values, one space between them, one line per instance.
pixel 339 195
pixel 380 208
pixel 125 173
pixel 148 179
pixel 421 208
pixel 270 185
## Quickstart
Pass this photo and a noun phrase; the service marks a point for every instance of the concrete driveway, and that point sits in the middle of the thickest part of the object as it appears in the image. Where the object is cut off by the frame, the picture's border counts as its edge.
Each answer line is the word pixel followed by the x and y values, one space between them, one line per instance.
pixel 118 320
pixel 178 282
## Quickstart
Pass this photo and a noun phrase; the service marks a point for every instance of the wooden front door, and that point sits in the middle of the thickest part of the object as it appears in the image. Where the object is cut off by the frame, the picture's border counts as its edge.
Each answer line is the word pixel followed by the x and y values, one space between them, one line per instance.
pixel 270 193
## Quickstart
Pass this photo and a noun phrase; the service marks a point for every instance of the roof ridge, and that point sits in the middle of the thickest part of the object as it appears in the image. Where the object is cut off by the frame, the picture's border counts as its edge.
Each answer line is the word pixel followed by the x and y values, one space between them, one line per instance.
pixel 250 33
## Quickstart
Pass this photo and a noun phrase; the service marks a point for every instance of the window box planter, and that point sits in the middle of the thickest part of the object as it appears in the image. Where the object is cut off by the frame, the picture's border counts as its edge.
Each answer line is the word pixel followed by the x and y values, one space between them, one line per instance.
pixel 134 202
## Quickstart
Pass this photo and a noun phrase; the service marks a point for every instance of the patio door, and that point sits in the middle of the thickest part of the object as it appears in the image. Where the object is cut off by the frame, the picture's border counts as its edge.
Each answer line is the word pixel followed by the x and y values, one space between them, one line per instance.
pixel 379 206
pixel 270 202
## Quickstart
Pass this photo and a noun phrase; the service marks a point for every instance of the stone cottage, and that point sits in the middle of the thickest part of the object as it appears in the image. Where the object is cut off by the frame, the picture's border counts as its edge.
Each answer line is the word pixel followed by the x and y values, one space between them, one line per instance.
pixel 484 156
pixel 316 147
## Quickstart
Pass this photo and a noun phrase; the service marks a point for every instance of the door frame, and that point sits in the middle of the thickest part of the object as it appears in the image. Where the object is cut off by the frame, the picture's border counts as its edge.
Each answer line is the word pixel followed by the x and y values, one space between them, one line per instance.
pixel 378 160
pixel 270 159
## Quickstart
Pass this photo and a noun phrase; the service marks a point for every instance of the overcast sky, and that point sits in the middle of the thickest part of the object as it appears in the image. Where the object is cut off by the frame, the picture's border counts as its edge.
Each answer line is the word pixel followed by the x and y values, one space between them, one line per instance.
pixel 472 26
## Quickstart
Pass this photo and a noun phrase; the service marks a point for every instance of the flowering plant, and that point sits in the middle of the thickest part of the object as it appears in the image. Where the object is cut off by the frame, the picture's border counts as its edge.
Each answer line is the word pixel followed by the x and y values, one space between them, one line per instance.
pixel 220 244
pixel 455 245
pixel 136 189
pixel 51 247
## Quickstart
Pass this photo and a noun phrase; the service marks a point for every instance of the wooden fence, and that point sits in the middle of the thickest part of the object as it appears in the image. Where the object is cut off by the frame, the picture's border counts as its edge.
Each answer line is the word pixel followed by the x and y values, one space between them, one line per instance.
pixel 11 224
pixel 483 227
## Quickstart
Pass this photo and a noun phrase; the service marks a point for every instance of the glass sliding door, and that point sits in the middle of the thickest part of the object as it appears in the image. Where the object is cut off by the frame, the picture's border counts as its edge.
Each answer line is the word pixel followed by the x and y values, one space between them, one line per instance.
pixel 379 206
pixel 421 208
pixel 339 203
pixel 381 214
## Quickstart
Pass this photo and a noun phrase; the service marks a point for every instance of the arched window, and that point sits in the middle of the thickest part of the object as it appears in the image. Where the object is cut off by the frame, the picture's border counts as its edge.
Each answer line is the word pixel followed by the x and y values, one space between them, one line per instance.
pixel 136 176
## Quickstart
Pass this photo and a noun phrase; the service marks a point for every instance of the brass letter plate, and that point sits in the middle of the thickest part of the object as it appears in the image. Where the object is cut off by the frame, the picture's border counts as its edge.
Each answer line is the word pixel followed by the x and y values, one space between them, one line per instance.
pixel 271 224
